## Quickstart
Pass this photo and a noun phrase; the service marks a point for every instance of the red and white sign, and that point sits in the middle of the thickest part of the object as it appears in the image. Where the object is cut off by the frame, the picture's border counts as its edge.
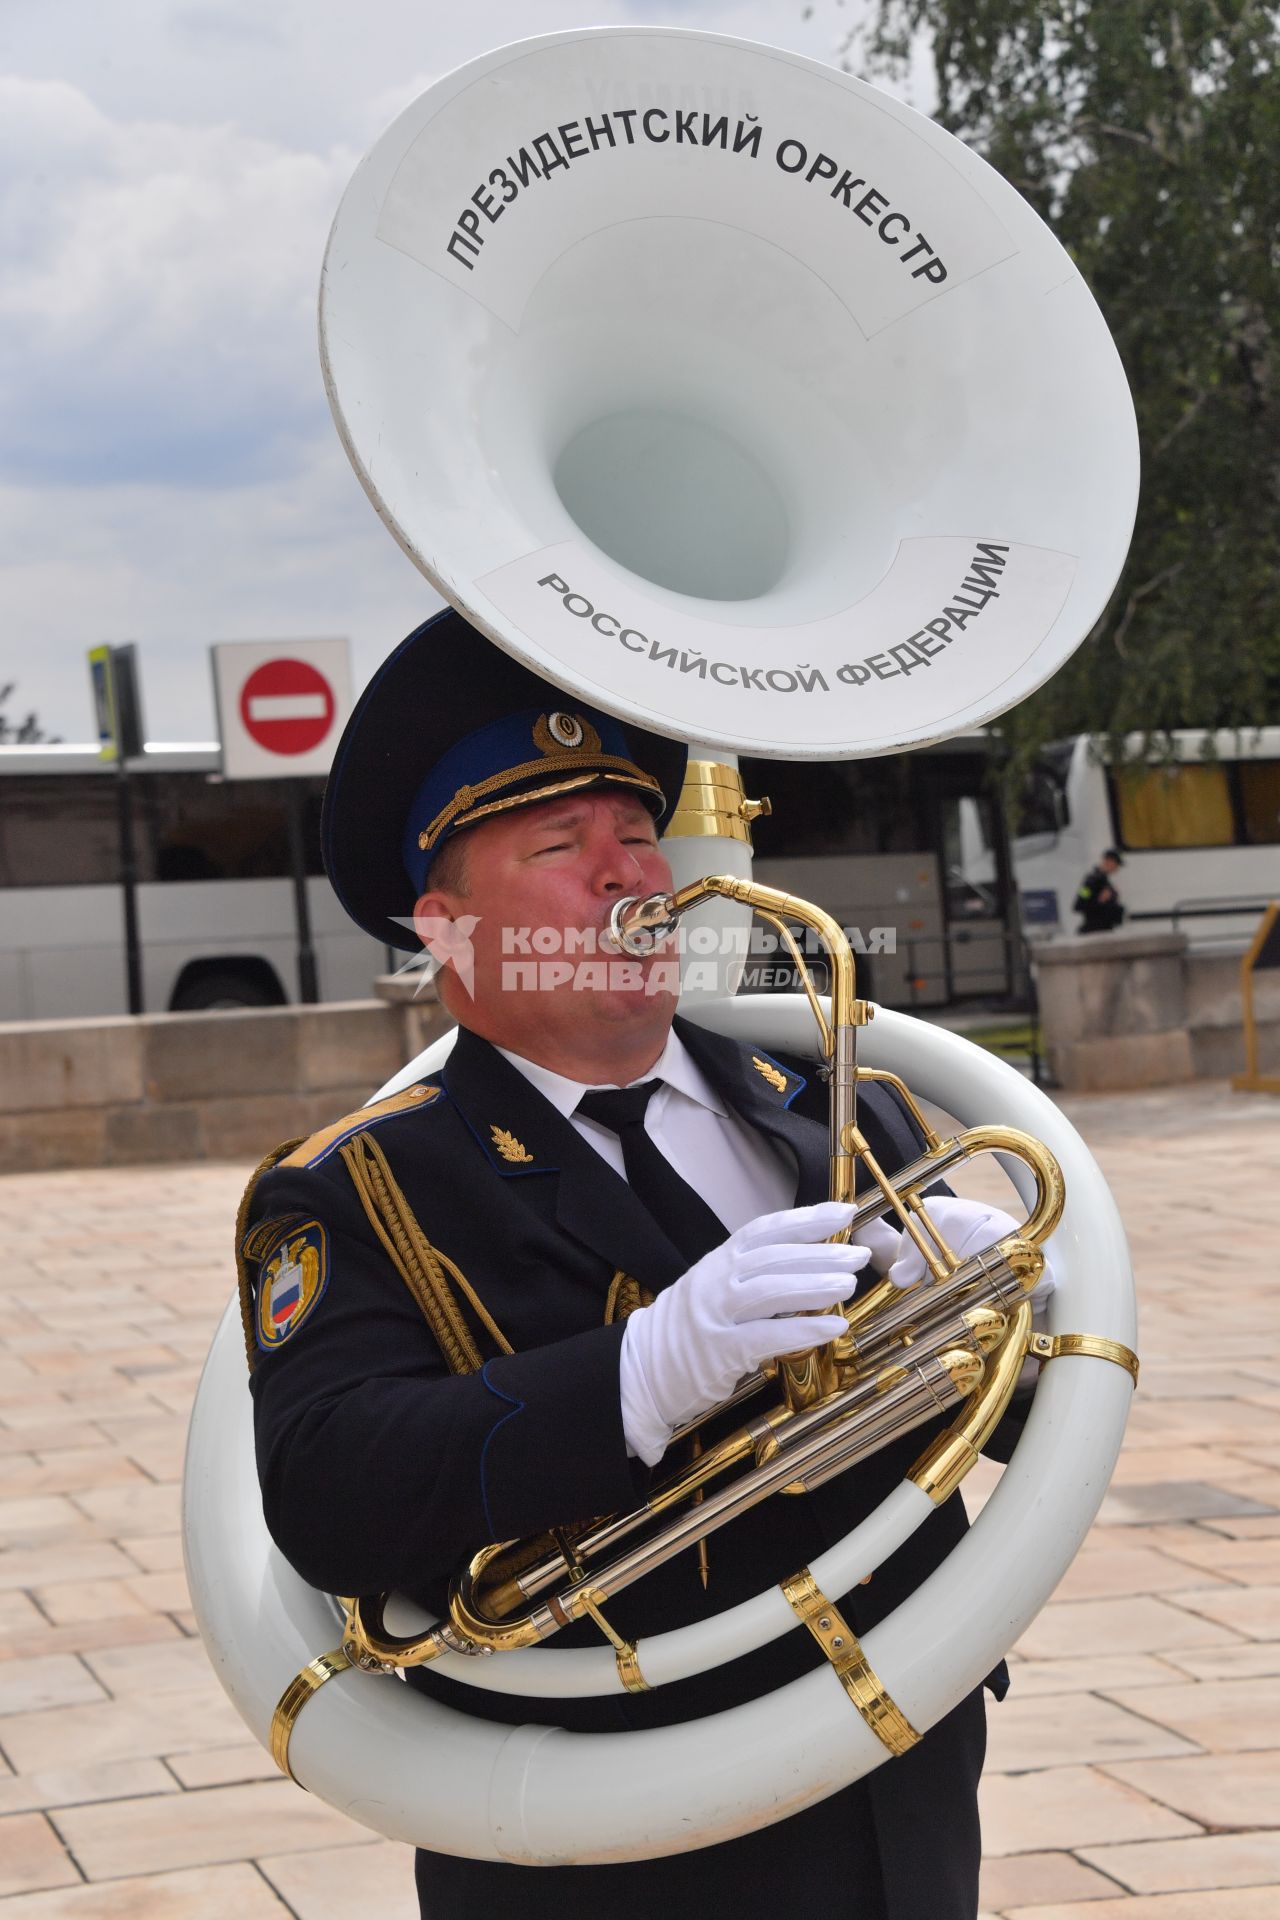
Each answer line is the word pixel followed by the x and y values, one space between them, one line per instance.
pixel 287 706
pixel 282 705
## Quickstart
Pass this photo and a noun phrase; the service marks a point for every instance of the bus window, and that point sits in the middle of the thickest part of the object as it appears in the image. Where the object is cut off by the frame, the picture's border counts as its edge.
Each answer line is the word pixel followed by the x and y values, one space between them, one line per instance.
pixel 968 839
pixel 59 830
pixel 838 807
pixel 63 830
pixel 194 828
pixel 1178 806
pixel 1042 803
pixel 1260 801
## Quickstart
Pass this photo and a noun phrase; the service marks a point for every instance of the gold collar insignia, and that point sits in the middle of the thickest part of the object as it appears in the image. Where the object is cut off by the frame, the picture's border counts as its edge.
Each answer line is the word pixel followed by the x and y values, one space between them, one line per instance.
pixel 776 1078
pixel 510 1148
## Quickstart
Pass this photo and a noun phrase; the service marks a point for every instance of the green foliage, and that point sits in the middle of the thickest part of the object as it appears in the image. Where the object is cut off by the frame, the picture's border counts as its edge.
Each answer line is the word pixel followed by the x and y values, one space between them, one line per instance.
pixel 24 732
pixel 1148 136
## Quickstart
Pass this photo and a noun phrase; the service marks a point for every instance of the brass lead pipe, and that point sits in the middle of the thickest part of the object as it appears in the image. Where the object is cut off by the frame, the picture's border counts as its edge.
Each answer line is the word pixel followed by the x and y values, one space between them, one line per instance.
pixel 806 1378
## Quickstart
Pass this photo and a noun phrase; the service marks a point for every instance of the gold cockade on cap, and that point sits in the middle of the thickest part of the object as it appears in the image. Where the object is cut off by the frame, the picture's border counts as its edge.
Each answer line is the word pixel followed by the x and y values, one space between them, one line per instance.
pixel 554 732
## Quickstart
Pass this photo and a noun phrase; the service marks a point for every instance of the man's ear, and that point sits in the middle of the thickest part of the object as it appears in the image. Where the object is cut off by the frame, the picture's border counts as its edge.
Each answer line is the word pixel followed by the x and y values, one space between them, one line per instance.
pixel 429 910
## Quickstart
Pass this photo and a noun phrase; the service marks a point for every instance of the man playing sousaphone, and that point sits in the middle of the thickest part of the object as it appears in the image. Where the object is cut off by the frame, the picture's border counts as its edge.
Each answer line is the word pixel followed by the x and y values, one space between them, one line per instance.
pixel 614 1216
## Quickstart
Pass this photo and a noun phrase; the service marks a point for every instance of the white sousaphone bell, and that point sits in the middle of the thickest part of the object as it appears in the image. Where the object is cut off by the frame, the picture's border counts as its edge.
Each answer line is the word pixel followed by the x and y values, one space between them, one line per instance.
pixel 729 393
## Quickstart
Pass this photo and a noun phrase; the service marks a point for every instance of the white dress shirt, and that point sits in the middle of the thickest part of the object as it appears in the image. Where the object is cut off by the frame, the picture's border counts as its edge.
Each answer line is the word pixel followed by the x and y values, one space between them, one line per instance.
pixel 739 1173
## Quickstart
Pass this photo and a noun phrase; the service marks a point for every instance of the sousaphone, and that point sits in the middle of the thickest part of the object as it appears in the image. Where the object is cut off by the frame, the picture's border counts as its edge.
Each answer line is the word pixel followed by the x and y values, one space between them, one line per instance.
pixel 729 393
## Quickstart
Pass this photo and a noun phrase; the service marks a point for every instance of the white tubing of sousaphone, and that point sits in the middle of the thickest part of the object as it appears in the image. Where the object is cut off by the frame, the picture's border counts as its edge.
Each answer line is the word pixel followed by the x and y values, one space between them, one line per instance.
pixel 806 406
pixel 418 1771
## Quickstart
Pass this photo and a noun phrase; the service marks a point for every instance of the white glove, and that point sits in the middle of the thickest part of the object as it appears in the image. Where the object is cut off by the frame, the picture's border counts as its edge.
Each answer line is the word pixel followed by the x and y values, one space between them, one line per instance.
pixel 685 1354
pixel 968 1226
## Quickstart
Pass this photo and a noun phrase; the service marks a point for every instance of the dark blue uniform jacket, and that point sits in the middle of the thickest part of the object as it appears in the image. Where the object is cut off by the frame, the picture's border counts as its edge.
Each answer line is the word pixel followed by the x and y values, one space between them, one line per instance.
pixel 381 1469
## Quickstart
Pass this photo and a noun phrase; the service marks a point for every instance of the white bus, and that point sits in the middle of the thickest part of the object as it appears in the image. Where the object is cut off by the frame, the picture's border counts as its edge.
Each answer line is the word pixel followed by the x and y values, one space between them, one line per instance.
pixel 215 895
pixel 1198 833
pixel 881 844
pixel 878 842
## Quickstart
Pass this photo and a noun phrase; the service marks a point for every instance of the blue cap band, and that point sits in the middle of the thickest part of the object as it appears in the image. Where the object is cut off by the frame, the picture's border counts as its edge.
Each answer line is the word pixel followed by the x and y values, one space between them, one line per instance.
pixel 515 761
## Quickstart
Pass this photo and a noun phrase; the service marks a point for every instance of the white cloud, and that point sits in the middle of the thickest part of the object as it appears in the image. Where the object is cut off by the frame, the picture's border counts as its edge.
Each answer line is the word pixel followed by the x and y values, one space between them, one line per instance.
pixel 177 569
pixel 159 293
pixel 298 72
pixel 168 173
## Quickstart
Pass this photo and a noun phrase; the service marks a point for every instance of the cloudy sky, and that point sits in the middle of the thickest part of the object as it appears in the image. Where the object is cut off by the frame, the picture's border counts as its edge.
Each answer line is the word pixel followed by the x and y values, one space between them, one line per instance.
pixel 169 473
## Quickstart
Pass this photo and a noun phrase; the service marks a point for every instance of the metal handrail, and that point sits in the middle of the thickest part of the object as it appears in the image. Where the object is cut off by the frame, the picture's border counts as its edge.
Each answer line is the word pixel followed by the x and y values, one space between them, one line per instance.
pixel 1207 908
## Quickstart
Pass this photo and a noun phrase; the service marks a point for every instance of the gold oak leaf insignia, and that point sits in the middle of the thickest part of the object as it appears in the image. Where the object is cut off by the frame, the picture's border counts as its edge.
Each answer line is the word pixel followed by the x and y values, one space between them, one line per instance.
pixel 776 1079
pixel 510 1148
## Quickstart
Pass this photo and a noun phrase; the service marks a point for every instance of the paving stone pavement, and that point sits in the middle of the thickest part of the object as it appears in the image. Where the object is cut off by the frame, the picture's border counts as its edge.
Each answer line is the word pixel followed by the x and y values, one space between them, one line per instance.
pixel 1133 1774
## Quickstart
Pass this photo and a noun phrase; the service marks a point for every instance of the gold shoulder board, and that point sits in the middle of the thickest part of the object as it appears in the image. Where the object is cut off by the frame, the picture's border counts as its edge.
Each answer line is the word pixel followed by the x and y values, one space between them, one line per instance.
pixel 309 1153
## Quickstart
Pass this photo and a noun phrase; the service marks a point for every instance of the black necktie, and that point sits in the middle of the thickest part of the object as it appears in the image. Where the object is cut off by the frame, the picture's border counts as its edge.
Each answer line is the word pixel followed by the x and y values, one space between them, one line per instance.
pixel 681 1212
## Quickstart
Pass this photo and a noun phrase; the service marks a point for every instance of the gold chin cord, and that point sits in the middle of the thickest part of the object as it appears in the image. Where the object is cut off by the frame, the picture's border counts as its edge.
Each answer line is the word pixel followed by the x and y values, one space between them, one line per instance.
pixel 955 1343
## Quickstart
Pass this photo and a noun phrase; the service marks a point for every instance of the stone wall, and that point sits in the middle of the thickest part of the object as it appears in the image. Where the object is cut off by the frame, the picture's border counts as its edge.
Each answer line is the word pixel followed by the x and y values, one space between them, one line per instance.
pixel 1214 1015
pixel 1144 1010
pixel 189 1086
pixel 1117 1010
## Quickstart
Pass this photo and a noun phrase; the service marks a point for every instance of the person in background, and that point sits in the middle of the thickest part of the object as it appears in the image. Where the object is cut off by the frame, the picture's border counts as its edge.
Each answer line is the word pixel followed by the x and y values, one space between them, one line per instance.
pixel 1096 901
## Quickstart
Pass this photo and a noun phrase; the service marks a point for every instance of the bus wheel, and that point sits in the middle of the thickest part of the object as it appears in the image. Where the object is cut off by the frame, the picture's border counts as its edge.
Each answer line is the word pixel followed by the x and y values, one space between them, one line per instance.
pixel 201 989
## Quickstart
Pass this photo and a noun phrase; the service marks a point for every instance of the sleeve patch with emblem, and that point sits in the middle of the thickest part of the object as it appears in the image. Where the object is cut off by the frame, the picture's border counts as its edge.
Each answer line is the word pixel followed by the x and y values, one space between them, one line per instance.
pixel 293 1272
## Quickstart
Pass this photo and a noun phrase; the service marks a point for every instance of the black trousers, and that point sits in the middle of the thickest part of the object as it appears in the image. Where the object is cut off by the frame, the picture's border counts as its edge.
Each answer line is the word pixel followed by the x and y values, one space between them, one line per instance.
pixel 902 1844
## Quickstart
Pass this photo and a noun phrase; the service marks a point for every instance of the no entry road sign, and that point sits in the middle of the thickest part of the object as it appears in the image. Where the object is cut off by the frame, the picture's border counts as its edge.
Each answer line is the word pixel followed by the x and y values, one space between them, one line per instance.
pixel 287 706
pixel 281 705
